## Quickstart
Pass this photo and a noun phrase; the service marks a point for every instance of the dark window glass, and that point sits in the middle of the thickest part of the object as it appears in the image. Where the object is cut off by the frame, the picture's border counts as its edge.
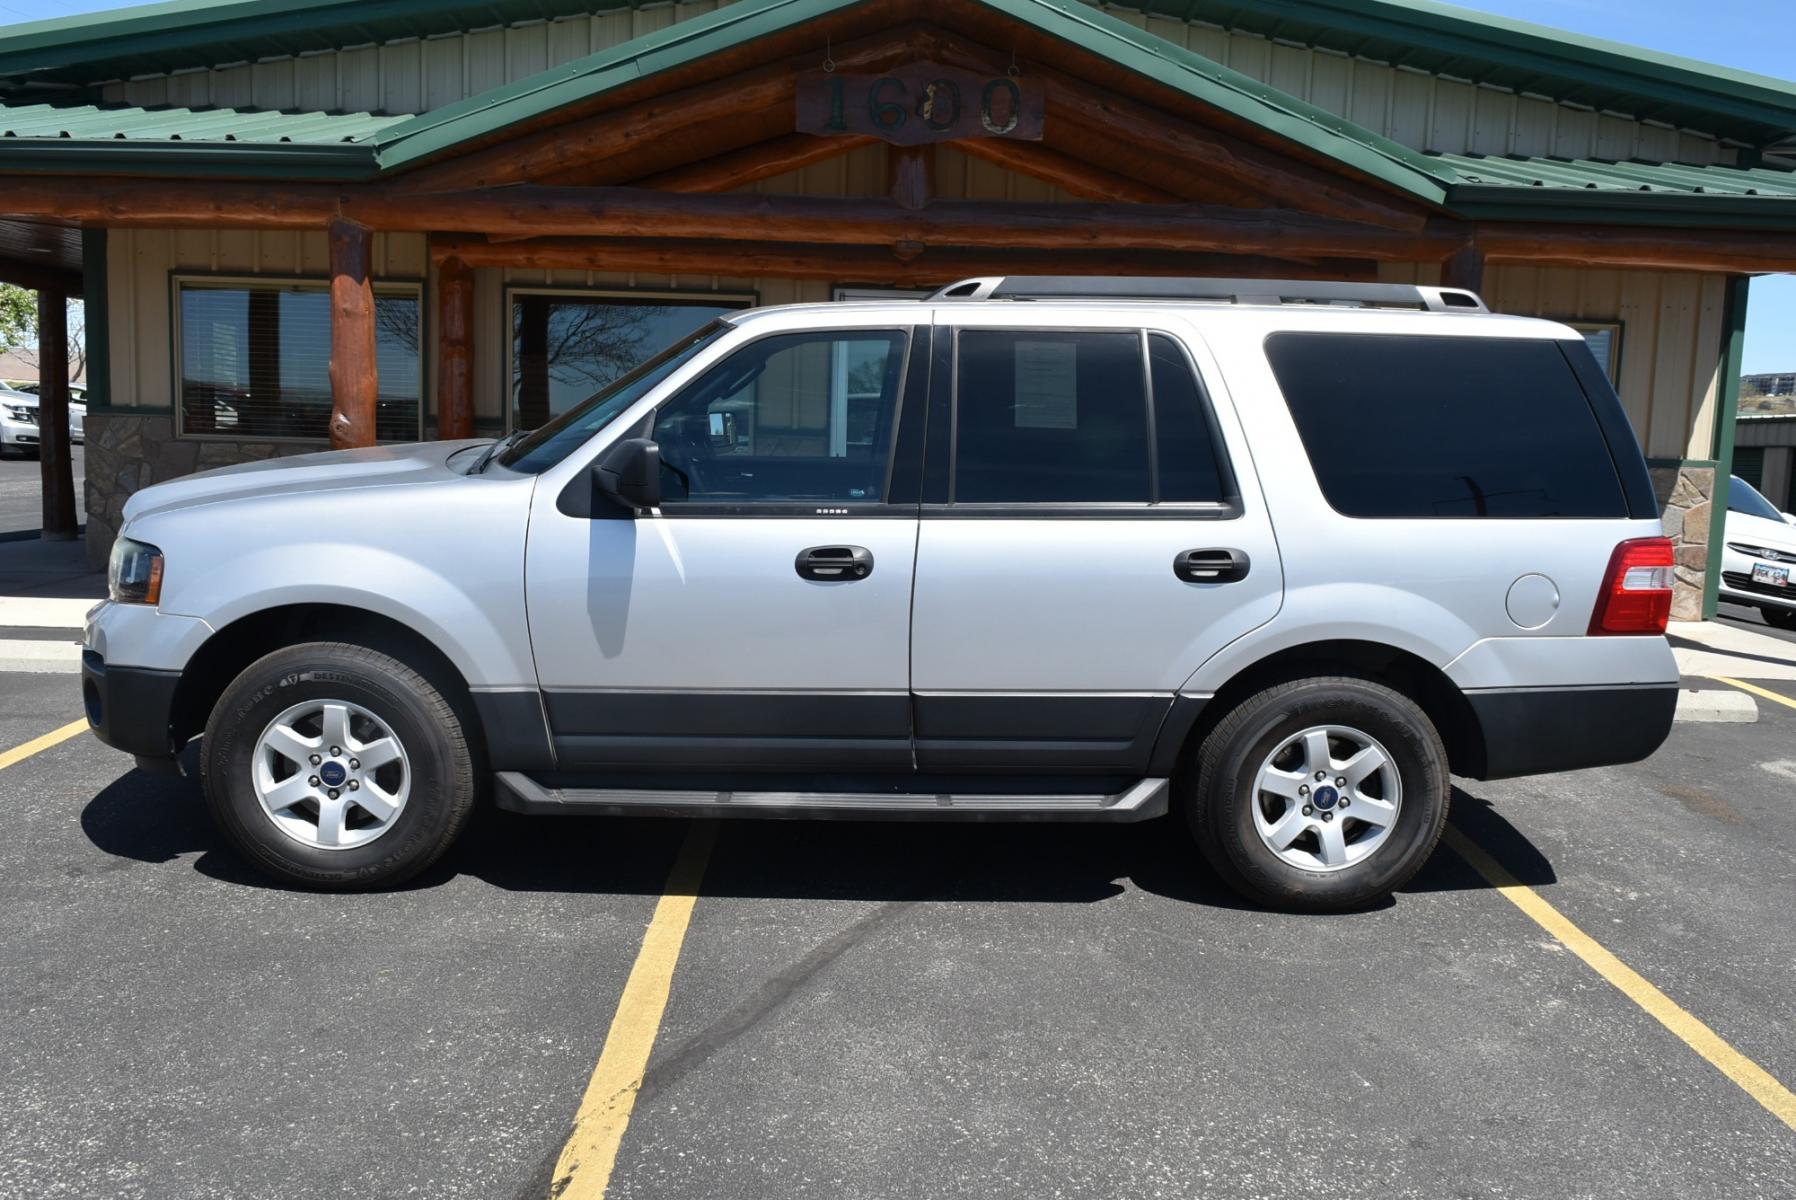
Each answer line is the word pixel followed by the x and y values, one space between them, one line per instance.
pixel 1742 497
pixel 803 417
pixel 255 361
pixel 1047 417
pixel 1190 467
pixel 567 347
pixel 1399 426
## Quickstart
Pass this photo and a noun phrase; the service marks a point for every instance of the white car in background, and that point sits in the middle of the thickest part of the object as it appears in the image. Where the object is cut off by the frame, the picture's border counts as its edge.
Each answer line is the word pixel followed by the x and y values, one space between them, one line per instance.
pixel 1758 565
pixel 18 421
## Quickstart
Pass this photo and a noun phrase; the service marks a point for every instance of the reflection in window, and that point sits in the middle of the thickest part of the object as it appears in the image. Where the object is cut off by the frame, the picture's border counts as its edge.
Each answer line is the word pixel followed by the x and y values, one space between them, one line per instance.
pixel 566 347
pixel 1604 342
pixel 805 416
pixel 255 360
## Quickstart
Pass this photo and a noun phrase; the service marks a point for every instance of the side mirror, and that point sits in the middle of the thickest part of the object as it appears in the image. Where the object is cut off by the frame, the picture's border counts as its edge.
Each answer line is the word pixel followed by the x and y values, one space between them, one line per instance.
pixel 630 473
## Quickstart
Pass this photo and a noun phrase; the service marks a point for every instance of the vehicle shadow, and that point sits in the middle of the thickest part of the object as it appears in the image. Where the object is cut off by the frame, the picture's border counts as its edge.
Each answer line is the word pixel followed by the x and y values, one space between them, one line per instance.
pixel 160 819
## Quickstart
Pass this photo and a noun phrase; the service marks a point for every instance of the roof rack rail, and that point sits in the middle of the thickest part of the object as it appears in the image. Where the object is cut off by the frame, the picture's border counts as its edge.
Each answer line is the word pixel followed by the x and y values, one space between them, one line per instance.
pixel 1224 291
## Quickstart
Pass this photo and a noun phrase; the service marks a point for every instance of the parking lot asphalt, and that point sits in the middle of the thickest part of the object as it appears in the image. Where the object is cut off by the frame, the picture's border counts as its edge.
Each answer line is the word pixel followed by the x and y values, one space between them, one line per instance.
pixel 880 1010
pixel 1746 617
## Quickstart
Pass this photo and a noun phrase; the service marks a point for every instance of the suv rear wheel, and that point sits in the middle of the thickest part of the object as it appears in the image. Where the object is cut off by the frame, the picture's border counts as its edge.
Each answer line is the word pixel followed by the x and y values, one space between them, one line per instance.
pixel 1320 794
pixel 337 766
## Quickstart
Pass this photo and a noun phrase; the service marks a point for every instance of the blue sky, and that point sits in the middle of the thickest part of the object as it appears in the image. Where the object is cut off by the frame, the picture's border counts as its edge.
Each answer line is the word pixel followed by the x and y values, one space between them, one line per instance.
pixel 1753 35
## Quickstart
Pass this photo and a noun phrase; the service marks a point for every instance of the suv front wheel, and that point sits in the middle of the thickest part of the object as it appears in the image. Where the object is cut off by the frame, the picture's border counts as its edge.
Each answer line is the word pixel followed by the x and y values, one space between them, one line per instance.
pixel 337 766
pixel 1320 794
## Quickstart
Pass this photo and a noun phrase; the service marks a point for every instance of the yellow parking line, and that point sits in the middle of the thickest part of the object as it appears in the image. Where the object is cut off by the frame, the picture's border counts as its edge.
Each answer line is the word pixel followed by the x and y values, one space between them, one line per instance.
pixel 37 744
pixel 1753 1079
pixel 1755 689
pixel 584 1169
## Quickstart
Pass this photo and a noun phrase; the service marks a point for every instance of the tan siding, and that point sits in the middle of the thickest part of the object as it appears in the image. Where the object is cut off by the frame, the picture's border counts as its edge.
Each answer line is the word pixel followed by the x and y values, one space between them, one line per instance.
pixel 1670 361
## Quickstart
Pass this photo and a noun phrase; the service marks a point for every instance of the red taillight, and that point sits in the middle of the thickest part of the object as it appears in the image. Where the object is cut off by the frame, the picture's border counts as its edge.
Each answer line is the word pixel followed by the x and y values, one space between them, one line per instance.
pixel 1636 593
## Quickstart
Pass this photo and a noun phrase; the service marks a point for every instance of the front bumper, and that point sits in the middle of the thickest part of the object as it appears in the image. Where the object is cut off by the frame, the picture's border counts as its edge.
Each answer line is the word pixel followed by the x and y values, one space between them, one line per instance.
pixel 130 708
pixel 1538 731
pixel 1737 583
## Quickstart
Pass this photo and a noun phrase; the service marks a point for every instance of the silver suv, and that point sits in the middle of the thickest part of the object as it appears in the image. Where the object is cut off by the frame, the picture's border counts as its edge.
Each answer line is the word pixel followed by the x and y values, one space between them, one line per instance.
pixel 1276 557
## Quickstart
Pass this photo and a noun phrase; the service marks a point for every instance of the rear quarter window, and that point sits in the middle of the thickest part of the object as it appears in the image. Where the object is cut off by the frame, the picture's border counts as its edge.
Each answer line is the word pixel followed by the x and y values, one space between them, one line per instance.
pixel 1455 427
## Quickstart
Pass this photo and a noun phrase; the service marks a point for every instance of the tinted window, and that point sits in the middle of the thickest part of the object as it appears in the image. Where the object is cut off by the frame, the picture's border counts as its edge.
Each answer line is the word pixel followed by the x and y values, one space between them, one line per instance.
pixel 805 416
pixel 1445 426
pixel 1190 468
pixel 1048 417
pixel 1742 497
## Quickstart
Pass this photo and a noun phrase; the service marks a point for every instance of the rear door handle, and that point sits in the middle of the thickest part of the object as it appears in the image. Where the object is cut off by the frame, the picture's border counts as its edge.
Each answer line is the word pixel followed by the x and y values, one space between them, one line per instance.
pixel 835 563
pixel 1211 566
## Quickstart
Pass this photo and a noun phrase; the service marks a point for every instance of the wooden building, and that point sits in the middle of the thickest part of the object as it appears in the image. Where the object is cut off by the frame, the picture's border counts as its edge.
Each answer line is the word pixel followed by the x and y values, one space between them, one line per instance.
pixel 301 221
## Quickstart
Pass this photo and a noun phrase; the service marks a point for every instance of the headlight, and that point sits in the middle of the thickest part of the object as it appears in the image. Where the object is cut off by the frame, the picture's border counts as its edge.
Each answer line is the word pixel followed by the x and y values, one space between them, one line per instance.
pixel 134 574
pixel 22 412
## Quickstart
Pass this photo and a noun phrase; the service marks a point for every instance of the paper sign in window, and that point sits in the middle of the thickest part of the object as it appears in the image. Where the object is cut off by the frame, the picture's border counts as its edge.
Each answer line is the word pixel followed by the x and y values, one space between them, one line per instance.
pixel 1047 383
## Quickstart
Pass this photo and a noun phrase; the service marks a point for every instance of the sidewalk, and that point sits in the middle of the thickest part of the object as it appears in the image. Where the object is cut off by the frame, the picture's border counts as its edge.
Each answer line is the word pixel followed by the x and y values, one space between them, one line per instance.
pixel 1709 648
pixel 46 589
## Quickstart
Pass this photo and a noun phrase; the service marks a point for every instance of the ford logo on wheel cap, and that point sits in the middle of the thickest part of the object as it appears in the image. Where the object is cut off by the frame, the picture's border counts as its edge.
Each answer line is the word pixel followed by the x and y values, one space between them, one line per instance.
pixel 333 774
pixel 1325 798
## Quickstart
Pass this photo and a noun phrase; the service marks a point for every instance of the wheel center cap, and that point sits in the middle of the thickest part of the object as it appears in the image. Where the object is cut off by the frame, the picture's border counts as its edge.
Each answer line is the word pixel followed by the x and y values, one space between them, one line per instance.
pixel 334 773
pixel 1325 798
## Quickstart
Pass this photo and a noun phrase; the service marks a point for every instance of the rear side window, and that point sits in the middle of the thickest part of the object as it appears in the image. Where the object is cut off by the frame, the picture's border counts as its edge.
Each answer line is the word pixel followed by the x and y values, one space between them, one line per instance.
pixel 1191 468
pixel 1401 426
pixel 1047 416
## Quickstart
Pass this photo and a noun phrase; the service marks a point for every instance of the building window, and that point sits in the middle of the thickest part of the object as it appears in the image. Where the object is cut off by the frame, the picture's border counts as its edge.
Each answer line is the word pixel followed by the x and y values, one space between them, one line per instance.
pixel 567 345
pixel 253 359
pixel 1604 341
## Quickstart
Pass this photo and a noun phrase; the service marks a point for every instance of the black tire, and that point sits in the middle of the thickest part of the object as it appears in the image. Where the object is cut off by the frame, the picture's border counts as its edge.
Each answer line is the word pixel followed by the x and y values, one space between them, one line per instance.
pixel 1779 618
pixel 441 763
pixel 1219 807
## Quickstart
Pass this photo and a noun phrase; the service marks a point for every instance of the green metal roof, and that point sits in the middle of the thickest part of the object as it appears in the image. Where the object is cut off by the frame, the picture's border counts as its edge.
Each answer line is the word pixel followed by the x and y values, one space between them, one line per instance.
pixel 1444 39
pixel 188 141
pixel 1439 38
pixel 492 113
pixel 174 141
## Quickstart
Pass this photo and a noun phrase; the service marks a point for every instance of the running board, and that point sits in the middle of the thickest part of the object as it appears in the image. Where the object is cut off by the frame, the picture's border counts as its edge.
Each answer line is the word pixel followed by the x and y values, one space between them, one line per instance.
pixel 518 792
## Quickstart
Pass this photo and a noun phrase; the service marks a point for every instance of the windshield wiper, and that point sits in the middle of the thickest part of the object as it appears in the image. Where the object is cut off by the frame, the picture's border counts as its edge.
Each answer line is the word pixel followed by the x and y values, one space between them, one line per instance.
pixel 493 451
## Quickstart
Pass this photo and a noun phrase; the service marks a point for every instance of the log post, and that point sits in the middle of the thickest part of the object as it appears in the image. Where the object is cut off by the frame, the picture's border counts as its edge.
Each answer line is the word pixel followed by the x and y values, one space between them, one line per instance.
pixel 53 416
pixel 455 349
pixel 910 175
pixel 1464 268
pixel 355 379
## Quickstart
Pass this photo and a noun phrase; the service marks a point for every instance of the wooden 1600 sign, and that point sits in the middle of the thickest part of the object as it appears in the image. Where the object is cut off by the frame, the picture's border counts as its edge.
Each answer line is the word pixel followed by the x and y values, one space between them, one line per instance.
pixel 920 103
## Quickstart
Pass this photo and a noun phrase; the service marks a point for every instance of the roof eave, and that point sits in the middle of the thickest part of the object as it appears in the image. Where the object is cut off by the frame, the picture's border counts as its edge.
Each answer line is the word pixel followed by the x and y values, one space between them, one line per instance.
pixel 348 162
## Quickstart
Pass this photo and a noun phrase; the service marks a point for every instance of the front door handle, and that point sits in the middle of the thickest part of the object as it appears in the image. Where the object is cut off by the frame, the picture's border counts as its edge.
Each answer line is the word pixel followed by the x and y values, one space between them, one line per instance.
pixel 1211 566
pixel 831 564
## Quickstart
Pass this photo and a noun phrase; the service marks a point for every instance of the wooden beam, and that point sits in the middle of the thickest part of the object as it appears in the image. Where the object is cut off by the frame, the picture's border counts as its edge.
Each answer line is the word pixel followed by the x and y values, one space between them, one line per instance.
pixel 1081 178
pixel 1274 176
pixel 866 264
pixel 910 176
pixel 455 349
pixel 1464 268
pixel 355 380
pixel 751 164
pixel 637 128
pixel 530 211
pixel 56 471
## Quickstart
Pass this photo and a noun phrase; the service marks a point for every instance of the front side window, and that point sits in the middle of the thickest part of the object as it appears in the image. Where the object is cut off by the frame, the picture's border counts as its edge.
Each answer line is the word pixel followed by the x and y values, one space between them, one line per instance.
pixel 567 346
pixel 793 417
pixel 254 359
pixel 1420 426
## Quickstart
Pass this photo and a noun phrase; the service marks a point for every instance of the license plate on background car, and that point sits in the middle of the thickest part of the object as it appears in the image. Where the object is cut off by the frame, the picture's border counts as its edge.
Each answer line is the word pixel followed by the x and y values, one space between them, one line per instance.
pixel 1775 576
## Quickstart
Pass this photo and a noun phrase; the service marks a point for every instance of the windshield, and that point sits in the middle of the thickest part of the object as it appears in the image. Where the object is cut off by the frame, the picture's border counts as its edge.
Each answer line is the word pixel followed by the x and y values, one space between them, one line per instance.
pixel 1742 497
pixel 542 448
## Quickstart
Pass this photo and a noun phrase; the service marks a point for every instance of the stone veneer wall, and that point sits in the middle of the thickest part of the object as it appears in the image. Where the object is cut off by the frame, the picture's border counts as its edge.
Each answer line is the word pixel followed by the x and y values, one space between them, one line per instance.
pixel 126 452
pixel 1684 493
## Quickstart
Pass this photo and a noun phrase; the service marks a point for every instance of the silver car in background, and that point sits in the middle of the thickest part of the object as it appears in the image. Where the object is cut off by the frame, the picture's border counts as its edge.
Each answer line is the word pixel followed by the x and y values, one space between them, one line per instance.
pixel 1272 557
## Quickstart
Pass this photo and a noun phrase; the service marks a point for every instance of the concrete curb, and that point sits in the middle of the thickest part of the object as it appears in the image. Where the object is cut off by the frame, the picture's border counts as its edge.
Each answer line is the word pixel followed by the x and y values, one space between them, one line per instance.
pixel 1729 706
pixel 40 657
pixel 43 612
